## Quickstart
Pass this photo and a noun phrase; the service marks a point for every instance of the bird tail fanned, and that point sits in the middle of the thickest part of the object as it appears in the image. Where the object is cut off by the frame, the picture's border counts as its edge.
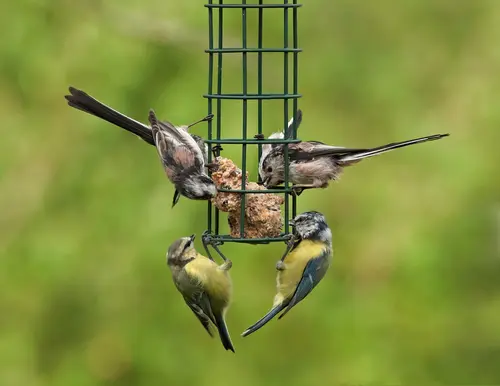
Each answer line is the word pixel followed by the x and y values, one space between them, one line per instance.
pixel 82 101
pixel 261 322
pixel 360 154
pixel 224 333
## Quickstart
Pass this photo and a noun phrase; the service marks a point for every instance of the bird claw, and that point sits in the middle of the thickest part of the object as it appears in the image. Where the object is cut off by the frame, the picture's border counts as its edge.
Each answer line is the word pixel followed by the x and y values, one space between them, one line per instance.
pixel 297 191
pixel 212 167
pixel 226 266
pixel 216 150
pixel 280 265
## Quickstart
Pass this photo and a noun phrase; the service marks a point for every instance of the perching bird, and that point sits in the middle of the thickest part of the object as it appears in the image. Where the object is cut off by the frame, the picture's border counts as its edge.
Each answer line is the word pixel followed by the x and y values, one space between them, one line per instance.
pixel 82 101
pixel 182 160
pixel 314 164
pixel 205 286
pixel 302 267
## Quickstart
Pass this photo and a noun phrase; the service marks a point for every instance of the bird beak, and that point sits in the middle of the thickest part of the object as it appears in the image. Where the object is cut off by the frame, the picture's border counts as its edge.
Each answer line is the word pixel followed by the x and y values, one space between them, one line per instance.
pixel 291 223
pixel 266 182
pixel 192 237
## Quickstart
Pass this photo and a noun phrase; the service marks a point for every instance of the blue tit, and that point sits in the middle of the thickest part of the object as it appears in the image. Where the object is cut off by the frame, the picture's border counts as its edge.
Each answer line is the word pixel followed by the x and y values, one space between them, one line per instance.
pixel 205 286
pixel 302 267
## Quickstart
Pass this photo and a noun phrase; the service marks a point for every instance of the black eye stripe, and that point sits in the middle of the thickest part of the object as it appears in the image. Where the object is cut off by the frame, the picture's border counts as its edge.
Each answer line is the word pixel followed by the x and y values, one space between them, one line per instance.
pixel 186 246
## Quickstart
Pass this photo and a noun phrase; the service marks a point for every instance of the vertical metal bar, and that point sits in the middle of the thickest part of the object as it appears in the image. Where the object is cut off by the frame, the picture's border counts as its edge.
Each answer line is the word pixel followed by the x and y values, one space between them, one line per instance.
pixel 295 86
pixel 285 113
pixel 244 126
pixel 219 91
pixel 259 79
pixel 210 90
pixel 290 68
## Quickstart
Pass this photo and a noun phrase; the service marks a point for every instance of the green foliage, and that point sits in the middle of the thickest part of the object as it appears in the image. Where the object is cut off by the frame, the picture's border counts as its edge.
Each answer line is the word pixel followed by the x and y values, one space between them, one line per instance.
pixel 414 291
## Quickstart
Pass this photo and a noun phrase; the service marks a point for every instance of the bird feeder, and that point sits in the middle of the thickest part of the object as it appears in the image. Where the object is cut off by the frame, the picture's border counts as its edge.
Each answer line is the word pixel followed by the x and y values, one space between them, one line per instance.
pixel 216 139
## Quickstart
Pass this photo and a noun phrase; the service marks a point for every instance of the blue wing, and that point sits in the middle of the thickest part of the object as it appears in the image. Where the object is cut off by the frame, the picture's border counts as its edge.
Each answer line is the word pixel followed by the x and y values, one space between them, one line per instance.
pixel 312 275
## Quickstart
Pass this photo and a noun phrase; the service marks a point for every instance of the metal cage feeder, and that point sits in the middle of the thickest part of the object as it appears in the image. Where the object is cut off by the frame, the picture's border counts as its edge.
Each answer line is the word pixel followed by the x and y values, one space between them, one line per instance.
pixel 215 98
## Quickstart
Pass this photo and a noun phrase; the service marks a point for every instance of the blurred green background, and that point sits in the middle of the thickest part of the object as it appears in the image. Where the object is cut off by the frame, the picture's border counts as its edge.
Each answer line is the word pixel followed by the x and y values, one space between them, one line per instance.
pixel 413 296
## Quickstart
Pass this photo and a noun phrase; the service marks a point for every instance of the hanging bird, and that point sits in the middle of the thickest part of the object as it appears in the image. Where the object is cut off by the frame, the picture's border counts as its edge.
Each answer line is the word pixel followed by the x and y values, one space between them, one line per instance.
pixel 314 164
pixel 182 160
pixel 302 267
pixel 205 286
pixel 82 101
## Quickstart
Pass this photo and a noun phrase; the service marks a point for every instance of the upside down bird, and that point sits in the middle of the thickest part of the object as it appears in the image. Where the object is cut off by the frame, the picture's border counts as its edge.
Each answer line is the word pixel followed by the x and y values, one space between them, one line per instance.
pixel 313 164
pixel 205 286
pixel 182 160
pixel 302 267
pixel 82 101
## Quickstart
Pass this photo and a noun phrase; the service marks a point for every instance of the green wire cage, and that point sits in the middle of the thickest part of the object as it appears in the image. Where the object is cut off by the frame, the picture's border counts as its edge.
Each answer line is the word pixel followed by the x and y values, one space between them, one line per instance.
pixel 215 139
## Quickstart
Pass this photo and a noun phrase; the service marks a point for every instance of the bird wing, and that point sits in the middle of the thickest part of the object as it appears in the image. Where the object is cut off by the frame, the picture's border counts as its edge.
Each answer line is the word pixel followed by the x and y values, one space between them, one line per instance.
pixel 200 314
pixel 186 153
pixel 196 299
pixel 313 273
pixel 199 303
pixel 308 150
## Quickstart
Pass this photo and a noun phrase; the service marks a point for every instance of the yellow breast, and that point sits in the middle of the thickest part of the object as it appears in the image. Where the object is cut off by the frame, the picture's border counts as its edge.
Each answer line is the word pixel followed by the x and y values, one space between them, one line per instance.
pixel 216 283
pixel 295 263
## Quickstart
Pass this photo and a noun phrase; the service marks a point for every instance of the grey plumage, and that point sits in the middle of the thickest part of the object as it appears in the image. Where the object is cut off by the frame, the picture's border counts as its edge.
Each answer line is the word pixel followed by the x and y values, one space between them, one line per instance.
pixel 80 100
pixel 313 164
pixel 182 160
pixel 286 133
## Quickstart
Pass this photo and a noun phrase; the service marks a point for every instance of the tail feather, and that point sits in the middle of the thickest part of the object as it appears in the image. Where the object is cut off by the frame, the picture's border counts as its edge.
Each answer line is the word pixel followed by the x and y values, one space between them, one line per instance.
pixel 176 198
pixel 298 120
pixel 84 102
pixel 224 333
pixel 360 154
pixel 261 322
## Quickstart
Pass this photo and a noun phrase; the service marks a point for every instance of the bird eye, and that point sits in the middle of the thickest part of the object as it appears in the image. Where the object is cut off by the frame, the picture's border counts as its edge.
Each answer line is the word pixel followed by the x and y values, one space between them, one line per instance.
pixel 187 245
pixel 269 169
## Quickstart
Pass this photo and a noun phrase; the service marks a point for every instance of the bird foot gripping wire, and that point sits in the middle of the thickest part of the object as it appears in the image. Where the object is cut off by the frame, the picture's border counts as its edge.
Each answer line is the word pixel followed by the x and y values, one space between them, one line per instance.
pixel 213 166
pixel 207 240
pixel 216 150
pixel 280 264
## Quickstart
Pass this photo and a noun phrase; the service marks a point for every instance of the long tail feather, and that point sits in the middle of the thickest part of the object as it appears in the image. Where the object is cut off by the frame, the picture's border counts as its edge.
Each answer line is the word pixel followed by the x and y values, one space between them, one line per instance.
pixel 261 322
pixel 84 102
pixel 224 333
pixel 385 148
